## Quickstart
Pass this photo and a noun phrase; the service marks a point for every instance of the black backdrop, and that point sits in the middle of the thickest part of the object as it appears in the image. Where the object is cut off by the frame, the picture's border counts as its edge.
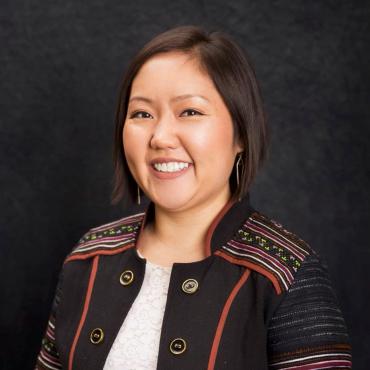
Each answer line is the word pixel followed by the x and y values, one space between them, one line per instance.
pixel 61 63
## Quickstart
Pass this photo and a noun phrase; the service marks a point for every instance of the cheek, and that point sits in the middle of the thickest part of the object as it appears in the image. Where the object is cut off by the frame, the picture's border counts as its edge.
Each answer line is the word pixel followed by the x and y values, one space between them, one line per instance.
pixel 126 141
pixel 131 141
pixel 213 140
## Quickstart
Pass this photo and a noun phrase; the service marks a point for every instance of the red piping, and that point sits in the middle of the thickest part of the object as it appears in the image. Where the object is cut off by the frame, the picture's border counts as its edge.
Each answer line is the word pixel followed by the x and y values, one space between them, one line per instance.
pixel 85 309
pixel 223 317
pixel 81 256
pixel 214 224
pixel 254 267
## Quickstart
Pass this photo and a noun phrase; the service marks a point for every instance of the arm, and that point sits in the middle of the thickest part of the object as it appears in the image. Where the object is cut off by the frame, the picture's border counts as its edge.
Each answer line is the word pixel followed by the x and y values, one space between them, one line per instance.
pixel 307 330
pixel 48 357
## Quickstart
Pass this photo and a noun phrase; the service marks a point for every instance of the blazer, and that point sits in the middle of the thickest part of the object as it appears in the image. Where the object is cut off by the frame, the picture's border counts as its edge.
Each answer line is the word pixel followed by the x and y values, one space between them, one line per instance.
pixel 261 299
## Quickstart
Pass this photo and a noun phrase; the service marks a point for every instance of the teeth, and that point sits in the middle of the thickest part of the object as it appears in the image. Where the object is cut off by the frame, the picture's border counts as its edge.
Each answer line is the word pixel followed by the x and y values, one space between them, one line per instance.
pixel 171 166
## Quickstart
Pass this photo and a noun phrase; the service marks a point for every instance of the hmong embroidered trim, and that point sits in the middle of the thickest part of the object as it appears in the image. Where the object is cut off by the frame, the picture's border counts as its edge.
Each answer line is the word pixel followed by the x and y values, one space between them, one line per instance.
pixel 261 244
pixel 110 238
pixel 48 357
pixel 274 251
pixel 325 357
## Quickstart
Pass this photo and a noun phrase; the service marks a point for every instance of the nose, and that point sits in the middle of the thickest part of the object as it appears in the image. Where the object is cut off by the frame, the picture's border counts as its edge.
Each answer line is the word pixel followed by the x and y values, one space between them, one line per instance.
pixel 164 134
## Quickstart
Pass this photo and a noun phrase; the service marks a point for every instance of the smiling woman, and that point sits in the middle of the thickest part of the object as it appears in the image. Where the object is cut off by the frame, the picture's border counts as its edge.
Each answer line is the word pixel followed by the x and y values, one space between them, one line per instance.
pixel 166 134
pixel 206 73
pixel 200 280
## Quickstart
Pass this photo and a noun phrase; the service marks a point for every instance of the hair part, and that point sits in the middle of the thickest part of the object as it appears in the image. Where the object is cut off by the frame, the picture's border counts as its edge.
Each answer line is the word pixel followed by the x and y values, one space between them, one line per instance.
pixel 234 78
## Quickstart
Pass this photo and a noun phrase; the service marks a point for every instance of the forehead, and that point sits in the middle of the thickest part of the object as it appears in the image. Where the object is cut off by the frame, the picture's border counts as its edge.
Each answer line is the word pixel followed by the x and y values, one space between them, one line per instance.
pixel 172 72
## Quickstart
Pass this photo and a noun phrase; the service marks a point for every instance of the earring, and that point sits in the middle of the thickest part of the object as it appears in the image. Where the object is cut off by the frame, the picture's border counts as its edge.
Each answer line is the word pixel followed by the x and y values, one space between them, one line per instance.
pixel 138 195
pixel 239 163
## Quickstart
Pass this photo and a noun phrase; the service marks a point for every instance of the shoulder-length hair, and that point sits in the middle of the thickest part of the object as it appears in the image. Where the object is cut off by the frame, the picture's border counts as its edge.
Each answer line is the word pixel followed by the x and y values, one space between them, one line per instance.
pixel 233 76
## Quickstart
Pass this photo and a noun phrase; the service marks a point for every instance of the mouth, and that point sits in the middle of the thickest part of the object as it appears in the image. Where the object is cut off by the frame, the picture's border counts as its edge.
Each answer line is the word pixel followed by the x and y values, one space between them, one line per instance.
pixel 166 168
pixel 170 166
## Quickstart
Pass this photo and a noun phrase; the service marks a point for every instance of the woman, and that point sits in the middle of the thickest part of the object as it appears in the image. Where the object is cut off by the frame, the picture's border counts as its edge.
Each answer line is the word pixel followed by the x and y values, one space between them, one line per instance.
pixel 200 280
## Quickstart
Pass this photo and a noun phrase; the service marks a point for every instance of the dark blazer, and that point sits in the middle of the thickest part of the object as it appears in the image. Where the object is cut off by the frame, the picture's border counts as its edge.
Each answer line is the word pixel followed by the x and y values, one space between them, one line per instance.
pixel 261 299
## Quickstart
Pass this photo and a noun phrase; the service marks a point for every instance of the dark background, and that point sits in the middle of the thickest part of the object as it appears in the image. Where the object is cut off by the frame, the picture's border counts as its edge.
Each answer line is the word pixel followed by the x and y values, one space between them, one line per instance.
pixel 61 64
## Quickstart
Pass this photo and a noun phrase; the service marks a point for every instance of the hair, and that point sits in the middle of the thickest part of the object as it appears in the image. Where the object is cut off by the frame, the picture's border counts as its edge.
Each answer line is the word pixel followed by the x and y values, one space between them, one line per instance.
pixel 234 78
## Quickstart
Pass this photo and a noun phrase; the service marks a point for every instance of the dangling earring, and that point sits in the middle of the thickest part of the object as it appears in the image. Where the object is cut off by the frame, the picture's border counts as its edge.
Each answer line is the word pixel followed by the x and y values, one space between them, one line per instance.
pixel 239 163
pixel 138 195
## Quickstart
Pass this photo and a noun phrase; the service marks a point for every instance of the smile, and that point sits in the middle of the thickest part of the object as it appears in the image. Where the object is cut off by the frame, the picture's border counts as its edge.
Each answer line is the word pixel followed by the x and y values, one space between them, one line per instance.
pixel 170 166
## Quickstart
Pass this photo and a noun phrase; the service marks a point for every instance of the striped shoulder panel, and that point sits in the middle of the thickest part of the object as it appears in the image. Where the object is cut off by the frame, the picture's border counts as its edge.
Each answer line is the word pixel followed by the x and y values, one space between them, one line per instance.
pixel 107 239
pixel 264 245
pixel 307 330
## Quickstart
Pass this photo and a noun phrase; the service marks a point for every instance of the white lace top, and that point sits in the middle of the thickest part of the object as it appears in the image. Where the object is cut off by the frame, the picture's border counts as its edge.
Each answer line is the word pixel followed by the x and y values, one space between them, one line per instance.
pixel 137 343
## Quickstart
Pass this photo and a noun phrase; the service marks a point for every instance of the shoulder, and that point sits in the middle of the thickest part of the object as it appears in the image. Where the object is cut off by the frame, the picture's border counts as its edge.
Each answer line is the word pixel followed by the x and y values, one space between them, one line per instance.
pixel 267 247
pixel 106 239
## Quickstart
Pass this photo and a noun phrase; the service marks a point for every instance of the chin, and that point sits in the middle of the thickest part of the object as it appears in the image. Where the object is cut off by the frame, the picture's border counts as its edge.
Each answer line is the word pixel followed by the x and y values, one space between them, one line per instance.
pixel 173 202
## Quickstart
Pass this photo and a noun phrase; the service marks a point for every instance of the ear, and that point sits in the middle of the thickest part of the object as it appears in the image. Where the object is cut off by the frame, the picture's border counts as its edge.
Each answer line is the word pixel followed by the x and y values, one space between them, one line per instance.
pixel 238 148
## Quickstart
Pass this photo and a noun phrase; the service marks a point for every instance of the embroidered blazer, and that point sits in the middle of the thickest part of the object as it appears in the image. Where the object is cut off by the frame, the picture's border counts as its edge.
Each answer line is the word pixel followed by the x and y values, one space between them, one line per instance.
pixel 261 299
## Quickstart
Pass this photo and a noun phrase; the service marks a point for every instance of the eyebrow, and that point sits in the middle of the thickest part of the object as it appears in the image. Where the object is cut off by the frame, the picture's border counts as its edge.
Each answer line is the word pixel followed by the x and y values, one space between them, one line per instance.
pixel 176 98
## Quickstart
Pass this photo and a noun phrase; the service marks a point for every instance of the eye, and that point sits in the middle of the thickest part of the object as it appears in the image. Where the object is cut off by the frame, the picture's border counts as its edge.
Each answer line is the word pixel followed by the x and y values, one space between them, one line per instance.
pixel 140 114
pixel 192 112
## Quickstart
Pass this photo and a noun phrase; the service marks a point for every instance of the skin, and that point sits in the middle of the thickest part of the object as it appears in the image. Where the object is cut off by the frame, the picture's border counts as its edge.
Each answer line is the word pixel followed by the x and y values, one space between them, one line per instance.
pixel 192 129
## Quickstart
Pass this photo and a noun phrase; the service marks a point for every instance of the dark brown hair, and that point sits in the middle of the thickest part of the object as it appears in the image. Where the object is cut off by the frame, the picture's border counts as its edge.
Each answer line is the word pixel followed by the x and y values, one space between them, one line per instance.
pixel 234 78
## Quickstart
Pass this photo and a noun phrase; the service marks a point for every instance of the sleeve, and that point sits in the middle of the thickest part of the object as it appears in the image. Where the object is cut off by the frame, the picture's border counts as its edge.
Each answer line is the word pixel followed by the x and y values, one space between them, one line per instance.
pixel 307 331
pixel 48 357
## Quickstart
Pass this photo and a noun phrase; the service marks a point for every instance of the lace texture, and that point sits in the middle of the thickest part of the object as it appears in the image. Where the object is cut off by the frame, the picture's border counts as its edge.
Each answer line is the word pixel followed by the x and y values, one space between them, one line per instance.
pixel 137 343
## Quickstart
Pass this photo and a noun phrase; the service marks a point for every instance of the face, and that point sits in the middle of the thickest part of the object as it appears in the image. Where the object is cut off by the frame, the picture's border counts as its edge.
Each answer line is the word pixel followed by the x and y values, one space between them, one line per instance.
pixel 178 134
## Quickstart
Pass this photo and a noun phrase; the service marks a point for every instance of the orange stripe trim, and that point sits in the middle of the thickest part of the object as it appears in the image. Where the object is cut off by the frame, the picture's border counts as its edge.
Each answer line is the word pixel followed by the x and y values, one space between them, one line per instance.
pixel 95 253
pixel 214 223
pixel 90 286
pixel 252 266
pixel 221 323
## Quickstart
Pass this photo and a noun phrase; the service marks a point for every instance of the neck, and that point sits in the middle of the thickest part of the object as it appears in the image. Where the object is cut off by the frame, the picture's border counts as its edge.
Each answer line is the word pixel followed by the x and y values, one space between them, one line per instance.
pixel 182 234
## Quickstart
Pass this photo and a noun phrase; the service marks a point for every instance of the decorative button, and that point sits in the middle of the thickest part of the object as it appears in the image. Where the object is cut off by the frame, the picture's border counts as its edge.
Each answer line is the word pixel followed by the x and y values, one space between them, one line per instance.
pixel 97 336
pixel 178 346
pixel 190 286
pixel 126 278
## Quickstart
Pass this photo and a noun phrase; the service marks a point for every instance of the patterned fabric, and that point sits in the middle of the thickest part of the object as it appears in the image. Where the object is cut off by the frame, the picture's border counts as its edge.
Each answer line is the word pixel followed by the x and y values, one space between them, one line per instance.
pixel 276 252
pixel 48 357
pixel 109 238
pixel 308 331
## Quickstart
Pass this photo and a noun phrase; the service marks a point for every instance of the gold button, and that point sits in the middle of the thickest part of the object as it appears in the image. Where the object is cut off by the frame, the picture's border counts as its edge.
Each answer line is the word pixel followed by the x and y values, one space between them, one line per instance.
pixel 97 336
pixel 190 286
pixel 178 346
pixel 126 278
